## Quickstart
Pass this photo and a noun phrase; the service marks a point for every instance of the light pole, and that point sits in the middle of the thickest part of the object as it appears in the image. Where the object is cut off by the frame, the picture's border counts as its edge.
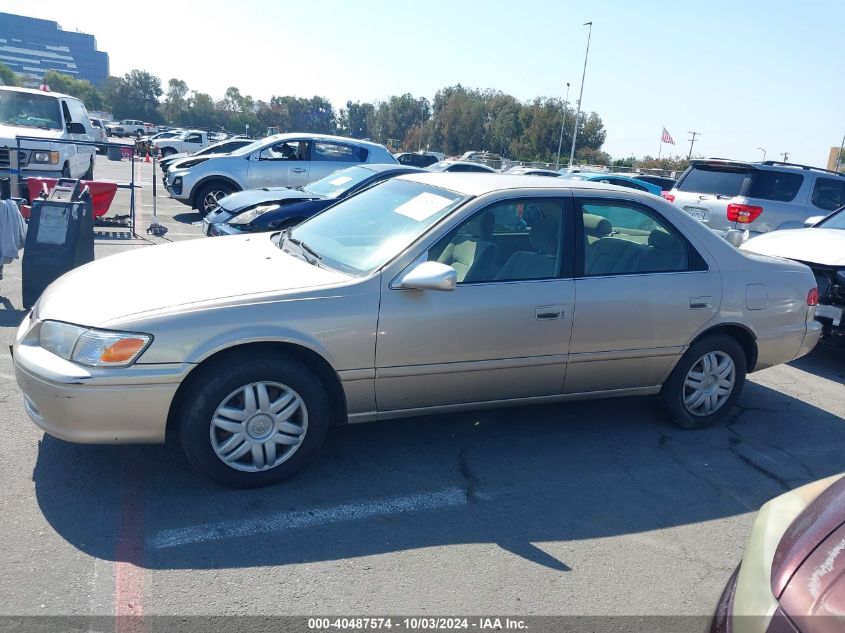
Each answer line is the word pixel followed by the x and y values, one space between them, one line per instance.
pixel 785 155
pixel 581 93
pixel 764 153
pixel 422 120
pixel 562 125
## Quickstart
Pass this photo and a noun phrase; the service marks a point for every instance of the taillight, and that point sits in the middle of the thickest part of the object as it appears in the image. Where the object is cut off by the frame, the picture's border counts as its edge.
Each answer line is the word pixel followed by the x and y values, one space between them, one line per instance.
pixel 743 213
pixel 668 196
pixel 813 297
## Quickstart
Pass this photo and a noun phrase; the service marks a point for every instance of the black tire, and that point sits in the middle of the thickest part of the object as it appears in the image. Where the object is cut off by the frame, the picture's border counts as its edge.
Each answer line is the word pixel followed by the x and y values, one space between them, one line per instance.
pixel 211 387
pixel 167 151
pixel 65 171
pixel 674 391
pixel 216 189
pixel 89 175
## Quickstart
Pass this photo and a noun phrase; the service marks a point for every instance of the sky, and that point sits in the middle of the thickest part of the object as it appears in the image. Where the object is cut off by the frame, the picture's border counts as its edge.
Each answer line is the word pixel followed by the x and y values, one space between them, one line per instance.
pixel 745 74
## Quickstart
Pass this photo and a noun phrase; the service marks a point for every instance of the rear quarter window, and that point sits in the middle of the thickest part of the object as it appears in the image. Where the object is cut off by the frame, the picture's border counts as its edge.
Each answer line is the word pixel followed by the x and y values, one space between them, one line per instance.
pixel 718 181
pixel 775 185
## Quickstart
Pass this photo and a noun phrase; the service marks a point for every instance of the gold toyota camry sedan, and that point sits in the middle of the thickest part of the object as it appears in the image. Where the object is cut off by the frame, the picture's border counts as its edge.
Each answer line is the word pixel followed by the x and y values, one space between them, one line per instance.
pixel 425 293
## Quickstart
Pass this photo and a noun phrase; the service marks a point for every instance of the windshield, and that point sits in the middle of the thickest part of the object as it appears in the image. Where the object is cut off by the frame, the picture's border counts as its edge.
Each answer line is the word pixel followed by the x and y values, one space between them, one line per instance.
pixel 835 220
pixel 714 179
pixel 335 184
pixel 29 110
pixel 364 232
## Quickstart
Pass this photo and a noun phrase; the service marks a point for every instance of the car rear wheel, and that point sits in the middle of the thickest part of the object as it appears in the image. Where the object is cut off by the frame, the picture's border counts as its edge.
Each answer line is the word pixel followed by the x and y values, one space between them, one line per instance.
pixel 209 196
pixel 256 424
pixel 705 384
pixel 167 151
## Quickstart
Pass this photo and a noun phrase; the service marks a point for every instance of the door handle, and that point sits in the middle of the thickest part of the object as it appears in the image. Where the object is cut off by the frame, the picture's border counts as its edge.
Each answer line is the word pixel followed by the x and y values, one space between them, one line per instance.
pixel 700 303
pixel 298 170
pixel 549 312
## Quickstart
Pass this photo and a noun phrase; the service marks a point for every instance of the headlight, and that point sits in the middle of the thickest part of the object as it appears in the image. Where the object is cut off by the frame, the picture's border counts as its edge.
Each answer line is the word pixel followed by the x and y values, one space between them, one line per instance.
pixel 89 346
pixel 248 216
pixel 45 157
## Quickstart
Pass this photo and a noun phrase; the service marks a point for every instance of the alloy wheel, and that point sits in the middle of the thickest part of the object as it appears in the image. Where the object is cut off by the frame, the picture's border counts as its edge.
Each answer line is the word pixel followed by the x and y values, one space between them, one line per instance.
pixel 211 200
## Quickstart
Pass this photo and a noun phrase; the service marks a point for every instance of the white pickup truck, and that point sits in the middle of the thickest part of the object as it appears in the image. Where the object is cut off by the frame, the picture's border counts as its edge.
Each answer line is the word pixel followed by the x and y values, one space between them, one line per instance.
pixel 130 127
pixel 50 117
pixel 187 142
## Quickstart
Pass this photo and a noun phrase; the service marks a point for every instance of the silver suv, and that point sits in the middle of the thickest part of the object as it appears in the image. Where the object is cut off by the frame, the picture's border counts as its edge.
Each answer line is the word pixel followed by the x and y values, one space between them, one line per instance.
pixel 762 197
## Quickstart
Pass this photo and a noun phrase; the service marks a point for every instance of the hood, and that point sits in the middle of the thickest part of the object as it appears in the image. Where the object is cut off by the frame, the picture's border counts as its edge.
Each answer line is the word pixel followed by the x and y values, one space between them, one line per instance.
pixel 169 275
pixel 812 245
pixel 9 132
pixel 252 197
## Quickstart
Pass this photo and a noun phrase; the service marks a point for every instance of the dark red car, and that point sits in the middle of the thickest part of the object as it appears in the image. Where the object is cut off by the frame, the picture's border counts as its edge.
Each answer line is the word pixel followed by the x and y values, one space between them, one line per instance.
pixel 792 576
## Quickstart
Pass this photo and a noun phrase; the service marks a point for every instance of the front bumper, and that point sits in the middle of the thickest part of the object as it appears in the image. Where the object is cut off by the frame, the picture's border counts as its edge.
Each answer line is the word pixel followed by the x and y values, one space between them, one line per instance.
pixel 95 405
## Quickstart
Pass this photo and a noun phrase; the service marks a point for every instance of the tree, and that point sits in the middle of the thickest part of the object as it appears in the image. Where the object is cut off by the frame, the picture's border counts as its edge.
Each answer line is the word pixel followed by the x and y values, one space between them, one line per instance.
pixel 175 101
pixel 135 95
pixel 8 76
pixel 79 88
pixel 356 120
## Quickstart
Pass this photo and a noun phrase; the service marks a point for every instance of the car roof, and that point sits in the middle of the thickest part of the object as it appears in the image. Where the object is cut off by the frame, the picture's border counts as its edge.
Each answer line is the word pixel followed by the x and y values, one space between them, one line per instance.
pixel 33 91
pixel 477 184
pixel 323 137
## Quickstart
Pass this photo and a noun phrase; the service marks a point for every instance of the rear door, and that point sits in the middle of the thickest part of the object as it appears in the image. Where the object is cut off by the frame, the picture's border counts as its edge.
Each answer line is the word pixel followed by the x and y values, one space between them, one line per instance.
pixel 643 292
pixel 328 156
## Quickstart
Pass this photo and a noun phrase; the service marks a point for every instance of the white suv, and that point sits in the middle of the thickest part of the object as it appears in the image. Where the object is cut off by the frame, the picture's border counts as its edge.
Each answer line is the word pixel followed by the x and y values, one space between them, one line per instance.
pixel 283 160
pixel 50 116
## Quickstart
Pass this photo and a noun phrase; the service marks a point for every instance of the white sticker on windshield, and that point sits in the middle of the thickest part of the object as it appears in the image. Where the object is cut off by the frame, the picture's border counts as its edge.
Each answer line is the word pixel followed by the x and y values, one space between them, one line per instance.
pixel 423 206
pixel 340 180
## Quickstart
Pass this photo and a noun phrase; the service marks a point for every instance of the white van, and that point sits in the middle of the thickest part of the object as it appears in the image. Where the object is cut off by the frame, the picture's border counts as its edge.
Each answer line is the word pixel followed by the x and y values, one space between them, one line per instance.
pixel 47 115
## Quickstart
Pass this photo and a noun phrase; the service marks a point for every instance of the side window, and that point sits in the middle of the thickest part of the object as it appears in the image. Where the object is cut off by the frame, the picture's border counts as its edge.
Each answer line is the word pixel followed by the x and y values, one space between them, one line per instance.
pixel 779 186
pixel 626 238
pixel 627 183
pixel 66 114
pixel 286 150
pixel 829 193
pixel 497 244
pixel 334 152
pixel 193 138
pixel 461 168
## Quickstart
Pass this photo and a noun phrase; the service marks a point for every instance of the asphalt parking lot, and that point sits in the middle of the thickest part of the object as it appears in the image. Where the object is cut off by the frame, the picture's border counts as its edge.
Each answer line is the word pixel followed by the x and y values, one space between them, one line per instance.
pixel 592 508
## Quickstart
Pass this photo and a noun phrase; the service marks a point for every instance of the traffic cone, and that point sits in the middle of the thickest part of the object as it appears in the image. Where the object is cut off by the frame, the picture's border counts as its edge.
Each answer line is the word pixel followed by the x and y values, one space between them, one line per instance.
pixel 147 157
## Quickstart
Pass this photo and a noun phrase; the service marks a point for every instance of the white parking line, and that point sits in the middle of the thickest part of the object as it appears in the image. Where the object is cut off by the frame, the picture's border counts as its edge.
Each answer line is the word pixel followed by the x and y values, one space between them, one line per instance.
pixel 446 498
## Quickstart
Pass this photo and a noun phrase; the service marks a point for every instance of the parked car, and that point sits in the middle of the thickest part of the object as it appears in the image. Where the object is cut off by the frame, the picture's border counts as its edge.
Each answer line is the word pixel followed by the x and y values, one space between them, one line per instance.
pixel 760 197
pixel 487 158
pixel 50 116
pixel 268 209
pixel 284 160
pixel 792 576
pixel 519 170
pixel 98 130
pixel 664 182
pixel 404 300
pixel 822 248
pixel 130 127
pixel 613 179
pixel 186 142
pixel 416 159
pixel 221 147
pixel 460 165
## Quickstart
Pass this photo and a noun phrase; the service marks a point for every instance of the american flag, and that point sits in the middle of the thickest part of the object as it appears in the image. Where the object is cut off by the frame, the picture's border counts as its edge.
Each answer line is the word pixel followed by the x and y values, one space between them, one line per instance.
pixel 667 138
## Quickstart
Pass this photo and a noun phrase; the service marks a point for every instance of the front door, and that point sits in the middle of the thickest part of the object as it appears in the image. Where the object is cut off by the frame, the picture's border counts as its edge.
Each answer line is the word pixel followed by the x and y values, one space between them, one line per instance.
pixel 503 333
pixel 283 164
pixel 643 291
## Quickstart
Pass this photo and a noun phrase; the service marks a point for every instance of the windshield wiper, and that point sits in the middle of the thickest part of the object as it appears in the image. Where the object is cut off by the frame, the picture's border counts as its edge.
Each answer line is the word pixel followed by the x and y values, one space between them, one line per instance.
pixel 302 246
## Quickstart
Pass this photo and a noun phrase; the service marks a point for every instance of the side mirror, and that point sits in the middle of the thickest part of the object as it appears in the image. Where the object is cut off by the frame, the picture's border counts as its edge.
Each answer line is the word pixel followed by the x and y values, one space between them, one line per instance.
pixel 76 128
pixel 429 276
pixel 813 220
pixel 735 237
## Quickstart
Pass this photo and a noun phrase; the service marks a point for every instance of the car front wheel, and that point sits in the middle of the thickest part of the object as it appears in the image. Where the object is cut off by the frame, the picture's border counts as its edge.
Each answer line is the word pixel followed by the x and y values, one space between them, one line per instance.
pixel 706 383
pixel 210 195
pixel 256 424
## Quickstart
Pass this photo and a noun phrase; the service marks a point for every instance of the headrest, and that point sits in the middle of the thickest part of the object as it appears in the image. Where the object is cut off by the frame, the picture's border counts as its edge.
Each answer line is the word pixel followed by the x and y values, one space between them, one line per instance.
pixel 482 225
pixel 543 236
pixel 661 240
pixel 596 225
